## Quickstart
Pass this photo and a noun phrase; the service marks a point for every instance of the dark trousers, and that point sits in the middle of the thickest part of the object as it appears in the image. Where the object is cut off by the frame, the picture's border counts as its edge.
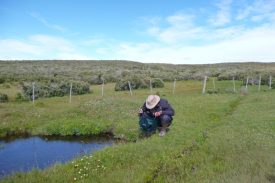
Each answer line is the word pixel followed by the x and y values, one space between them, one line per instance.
pixel 164 120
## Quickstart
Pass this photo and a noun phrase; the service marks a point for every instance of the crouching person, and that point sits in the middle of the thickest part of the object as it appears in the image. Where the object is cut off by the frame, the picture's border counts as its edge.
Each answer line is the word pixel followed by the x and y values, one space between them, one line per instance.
pixel 156 113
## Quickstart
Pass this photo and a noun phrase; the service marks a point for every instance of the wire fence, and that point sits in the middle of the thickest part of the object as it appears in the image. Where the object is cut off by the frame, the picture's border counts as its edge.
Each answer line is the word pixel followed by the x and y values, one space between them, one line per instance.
pixel 205 86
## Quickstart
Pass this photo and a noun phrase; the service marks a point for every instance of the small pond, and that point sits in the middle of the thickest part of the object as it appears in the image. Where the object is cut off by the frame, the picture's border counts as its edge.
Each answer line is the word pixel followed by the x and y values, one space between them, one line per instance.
pixel 26 153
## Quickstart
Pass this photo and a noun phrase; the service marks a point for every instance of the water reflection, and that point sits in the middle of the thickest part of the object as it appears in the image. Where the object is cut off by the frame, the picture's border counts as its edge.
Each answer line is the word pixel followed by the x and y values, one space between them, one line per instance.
pixel 24 154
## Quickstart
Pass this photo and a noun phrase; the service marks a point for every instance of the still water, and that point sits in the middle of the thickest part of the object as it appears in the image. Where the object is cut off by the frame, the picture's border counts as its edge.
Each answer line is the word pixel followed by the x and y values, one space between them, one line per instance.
pixel 24 154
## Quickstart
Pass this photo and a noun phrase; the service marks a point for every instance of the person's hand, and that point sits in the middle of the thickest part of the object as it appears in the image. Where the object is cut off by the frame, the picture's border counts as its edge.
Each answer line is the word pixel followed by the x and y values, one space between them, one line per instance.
pixel 140 111
pixel 157 114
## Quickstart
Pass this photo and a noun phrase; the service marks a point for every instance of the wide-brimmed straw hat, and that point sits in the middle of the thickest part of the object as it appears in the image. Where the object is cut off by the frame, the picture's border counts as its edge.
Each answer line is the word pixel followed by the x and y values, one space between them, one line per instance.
pixel 152 101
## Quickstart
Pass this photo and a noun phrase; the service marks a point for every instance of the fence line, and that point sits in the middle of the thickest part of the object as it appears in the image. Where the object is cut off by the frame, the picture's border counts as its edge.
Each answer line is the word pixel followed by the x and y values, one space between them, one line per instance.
pixel 151 88
pixel 204 85
pixel 130 88
pixel 214 85
pixel 234 85
pixel 259 84
pixel 71 87
pixel 33 92
pixel 102 88
pixel 259 87
pixel 246 82
pixel 174 87
pixel 270 81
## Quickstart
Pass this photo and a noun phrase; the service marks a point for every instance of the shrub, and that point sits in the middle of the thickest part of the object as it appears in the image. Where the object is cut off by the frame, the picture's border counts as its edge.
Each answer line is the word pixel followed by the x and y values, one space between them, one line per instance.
pixel 251 81
pixel 3 98
pixel 137 83
pixel 2 80
pixel 98 79
pixel 122 85
pixel 6 85
pixel 61 88
pixel 20 97
pixel 157 83
pixel 212 91
pixel 229 76
pixel 78 88
pixel 220 91
pixel 39 90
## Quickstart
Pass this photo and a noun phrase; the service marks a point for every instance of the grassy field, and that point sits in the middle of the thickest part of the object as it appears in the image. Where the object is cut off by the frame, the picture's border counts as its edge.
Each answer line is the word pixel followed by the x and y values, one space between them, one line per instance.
pixel 223 137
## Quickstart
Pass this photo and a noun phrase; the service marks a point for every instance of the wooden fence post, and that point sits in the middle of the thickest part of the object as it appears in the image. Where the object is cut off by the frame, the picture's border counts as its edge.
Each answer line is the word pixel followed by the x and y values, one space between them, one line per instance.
pixel 102 88
pixel 246 82
pixel 270 81
pixel 71 87
pixel 234 86
pixel 204 85
pixel 33 97
pixel 151 89
pixel 130 88
pixel 174 87
pixel 260 80
pixel 214 85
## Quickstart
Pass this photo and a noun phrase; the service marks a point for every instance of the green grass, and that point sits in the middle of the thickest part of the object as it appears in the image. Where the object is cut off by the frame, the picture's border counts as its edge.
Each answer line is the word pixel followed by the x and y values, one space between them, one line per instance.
pixel 214 138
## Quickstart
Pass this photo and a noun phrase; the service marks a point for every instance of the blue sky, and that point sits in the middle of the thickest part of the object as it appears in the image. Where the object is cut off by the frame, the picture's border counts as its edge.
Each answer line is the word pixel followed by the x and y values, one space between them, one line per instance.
pixel 158 31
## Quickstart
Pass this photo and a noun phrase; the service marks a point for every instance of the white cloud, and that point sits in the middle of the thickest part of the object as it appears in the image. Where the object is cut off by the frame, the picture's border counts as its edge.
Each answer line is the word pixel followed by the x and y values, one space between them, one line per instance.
pixel 39 47
pixel 223 15
pixel 72 56
pixel 257 11
pixel 102 51
pixel 177 38
pixel 183 29
pixel 180 20
pixel 181 40
pixel 252 45
pixel 10 45
pixel 151 20
pixel 177 27
pixel 52 43
pixel 222 33
pixel 11 49
pixel 46 23
pixel 244 13
pixel 93 41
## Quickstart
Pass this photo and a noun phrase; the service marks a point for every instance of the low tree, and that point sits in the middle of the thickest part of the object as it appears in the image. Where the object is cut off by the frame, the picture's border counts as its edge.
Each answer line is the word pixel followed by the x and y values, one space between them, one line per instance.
pixel 3 98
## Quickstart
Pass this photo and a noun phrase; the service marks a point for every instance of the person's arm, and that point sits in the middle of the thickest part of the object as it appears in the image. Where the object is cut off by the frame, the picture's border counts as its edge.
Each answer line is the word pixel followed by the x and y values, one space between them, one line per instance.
pixel 167 108
pixel 142 110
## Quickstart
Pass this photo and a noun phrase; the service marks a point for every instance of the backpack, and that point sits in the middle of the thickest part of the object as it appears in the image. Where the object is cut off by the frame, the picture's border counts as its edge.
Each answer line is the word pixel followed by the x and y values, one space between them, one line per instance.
pixel 148 124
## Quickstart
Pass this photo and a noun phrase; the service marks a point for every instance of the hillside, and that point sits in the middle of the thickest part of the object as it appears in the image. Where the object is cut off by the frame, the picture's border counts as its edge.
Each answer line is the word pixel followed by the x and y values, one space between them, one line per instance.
pixel 111 71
